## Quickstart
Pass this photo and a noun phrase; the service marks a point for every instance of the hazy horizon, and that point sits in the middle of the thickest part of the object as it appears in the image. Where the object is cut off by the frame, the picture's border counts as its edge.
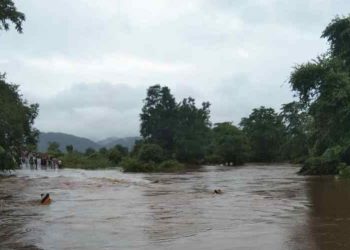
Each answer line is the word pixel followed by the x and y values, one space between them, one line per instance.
pixel 97 140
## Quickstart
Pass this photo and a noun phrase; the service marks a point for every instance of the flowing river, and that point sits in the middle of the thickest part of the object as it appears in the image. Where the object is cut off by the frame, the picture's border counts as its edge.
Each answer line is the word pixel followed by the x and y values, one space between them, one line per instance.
pixel 261 207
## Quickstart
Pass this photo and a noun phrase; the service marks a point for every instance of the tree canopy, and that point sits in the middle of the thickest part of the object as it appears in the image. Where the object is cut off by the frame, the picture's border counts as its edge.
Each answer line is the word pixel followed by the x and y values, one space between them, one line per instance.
pixel 265 132
pixel 229 145
pixel 16 124
pixel 9 14
pixel 180 128
pixel 323 87
pixel 158 117
pixel 192 130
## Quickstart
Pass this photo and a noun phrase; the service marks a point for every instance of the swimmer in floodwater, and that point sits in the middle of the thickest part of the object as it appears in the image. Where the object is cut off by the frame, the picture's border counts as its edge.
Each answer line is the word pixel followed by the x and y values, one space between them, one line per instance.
pixel 45 199
pixel 217 191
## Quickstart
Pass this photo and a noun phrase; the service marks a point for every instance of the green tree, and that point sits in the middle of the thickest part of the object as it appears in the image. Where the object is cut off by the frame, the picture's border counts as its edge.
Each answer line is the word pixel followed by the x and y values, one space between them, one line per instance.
pixel 117 153
pixel 323 86
pixel 192 131
pixel 9 13
pixel 54 149
pixel 69 149
pixel 297 122
pixel 123 150
pixel 230 144
pixel 103 151
pixel 16 124
pixel 265 132
pixel 181 130
pixel 337 34
pixel 158 117
pixel 90 151
pixel 151 153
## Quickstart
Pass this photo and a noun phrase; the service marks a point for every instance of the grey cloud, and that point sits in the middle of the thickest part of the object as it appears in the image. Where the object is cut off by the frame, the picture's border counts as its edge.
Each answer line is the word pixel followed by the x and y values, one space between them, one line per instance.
pixel 235 54
pixel 236 96
pixel 93 110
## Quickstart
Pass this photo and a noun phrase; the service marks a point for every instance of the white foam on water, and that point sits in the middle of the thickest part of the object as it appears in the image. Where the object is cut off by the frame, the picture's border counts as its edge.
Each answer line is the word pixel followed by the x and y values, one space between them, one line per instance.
pixel 81 174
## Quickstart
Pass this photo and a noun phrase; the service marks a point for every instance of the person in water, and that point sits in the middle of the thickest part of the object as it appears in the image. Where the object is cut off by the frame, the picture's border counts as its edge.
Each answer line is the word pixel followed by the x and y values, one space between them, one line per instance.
pixel 217 191
pixel 45 199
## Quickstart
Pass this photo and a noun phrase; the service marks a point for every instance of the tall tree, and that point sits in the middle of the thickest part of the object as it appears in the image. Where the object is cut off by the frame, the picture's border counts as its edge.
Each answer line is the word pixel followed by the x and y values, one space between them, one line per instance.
pixel 192 129
pixel 179 129
pixel 16 124
pixel 337 34
pixel 69 149
pixel 16 116
pixel 297 123
pixel 230 144
pixel 158 117
pixel 9 13
pixel 265 131
pixel 323 85
pixel 54 149
pixel 116 153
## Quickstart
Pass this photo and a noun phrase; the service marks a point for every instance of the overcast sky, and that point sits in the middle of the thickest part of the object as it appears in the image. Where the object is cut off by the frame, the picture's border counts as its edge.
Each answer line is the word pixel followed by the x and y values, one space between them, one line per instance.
pixel 88 63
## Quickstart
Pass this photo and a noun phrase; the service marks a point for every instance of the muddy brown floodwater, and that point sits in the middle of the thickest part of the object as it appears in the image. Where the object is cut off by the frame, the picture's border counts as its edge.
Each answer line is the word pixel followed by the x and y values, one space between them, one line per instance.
pixel 261 207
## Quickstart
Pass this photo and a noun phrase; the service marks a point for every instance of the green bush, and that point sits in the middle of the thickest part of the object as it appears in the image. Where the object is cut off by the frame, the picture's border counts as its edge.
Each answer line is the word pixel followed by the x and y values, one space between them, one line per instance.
pixel 213 159
pixel 344 170
pixel 133 165
pixel 326 164
pixel 320 166
pixel 7 161
pixel 170 166
pixel 332 154
pixel 151 152
pixel 115 155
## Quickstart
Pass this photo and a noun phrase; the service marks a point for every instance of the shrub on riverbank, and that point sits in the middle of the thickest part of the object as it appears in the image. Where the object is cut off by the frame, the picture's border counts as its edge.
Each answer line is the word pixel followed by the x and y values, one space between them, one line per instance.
pixel 170 166
pixel 333 161
pixel 135 165
pixel 344 171
pixel 319 166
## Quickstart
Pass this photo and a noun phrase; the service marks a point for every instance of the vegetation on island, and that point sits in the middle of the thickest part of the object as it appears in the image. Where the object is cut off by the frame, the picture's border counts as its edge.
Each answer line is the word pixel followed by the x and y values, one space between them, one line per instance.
pixel 313 130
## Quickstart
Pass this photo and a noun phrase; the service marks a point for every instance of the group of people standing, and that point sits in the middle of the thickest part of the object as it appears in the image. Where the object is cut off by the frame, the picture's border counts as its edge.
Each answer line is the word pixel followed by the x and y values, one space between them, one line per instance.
pixel 41 160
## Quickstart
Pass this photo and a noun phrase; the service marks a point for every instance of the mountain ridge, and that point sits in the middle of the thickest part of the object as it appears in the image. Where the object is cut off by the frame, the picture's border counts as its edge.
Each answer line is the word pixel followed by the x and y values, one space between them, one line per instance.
pixel 81 143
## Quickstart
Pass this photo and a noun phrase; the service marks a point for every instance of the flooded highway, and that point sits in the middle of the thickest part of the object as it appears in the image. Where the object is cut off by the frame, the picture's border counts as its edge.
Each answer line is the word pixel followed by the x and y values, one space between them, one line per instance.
pixel 261 207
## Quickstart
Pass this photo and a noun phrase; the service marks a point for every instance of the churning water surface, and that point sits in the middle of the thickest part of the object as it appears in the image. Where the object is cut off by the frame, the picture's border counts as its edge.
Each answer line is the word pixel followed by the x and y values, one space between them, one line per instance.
pixel 261 207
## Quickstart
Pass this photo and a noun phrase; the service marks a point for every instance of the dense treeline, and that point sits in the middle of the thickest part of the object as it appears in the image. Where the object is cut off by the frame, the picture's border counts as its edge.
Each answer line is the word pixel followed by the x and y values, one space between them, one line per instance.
pixel 180 133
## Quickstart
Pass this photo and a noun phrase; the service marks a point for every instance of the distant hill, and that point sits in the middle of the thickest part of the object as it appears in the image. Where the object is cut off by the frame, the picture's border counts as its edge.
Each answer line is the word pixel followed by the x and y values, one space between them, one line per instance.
pixel 107 141
pixel 128 142
pixel 81 143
